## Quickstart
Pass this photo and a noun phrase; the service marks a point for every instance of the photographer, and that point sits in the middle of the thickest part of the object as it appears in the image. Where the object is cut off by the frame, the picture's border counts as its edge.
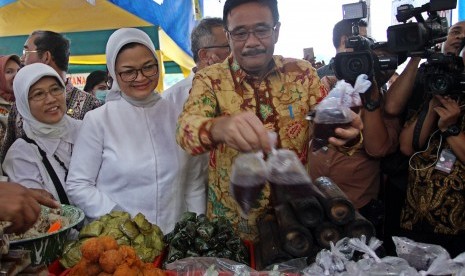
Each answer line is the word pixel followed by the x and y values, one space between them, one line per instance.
pixel 341 31
pixel 433 138
pixel 359 175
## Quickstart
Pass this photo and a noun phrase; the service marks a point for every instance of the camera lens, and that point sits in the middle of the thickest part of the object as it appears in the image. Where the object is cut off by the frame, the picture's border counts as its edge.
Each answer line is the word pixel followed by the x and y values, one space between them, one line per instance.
pixel 355 65
pixel 439 84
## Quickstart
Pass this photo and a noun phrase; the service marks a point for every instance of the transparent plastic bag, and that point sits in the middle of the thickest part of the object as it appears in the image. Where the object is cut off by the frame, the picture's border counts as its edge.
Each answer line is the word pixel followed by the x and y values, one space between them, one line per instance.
pixel 208 266
pixel 288 178
pixel 348 95
pixel 248 178
pixel 334 110
pixel 329 115
pixel 418 255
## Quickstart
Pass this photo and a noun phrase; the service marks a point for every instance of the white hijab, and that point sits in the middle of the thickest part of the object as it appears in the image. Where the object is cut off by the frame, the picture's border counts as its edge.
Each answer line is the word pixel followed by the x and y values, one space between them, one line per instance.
pixel 26 77
pixel 116 41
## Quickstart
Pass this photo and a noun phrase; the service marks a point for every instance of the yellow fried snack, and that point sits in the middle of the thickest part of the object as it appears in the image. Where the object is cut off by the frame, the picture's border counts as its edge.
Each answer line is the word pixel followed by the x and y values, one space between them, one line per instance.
pixel 110 260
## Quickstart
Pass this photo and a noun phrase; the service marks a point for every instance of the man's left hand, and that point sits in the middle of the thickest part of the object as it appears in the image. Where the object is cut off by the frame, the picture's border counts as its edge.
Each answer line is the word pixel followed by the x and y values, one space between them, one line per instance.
pixel 348 135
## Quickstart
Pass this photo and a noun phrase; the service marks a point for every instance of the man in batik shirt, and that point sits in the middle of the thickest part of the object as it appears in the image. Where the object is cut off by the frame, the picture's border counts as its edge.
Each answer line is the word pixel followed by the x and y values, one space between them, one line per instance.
pixel 234 104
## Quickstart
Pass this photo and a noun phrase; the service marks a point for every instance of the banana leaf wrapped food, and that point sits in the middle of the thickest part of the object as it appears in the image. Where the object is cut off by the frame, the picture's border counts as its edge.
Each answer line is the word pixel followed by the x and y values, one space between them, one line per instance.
pixel 199 237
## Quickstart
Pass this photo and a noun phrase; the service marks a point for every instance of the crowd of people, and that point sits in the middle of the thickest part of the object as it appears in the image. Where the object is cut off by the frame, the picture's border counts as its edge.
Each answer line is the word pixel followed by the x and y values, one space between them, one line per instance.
pixel 120 145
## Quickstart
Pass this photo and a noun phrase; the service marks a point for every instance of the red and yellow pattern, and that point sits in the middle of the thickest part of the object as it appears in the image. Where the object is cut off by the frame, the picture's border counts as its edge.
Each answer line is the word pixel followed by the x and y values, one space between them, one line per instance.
pixel 291 86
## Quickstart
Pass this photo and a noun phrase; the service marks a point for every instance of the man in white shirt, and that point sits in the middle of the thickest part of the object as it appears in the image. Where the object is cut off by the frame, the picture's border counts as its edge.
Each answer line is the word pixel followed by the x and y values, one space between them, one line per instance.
pixel 209 45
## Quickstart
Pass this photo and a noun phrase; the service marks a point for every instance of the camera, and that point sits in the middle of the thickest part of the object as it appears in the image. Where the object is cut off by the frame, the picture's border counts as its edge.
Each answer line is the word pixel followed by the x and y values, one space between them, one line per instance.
pixel 363 60
pixel 441 74
pixel 416 37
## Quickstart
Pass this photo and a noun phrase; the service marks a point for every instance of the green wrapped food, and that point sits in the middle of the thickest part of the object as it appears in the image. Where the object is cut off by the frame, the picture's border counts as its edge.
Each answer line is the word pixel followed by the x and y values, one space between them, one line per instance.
pixel 72 256
pixel 179 242
pixel 120 214
pixel 206 230
pixel 155 241
pixel 174 254
pixel 145 254
pixel 139 240
pixel 201 245
pixel 225 253
pixel 105 218
pixel 188 216
pixel 93 229
pixel 157 230
pixel 112 232
pixel 124 240
pixel 234 244
pixel 202 218
pixel 129 229
pixel 145 227
pixel 192 253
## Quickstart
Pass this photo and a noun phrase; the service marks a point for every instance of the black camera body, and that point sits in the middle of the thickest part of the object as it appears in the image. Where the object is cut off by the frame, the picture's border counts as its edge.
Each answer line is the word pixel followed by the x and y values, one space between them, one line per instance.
pixel 362 60
pixel 443 75
pixel 416 37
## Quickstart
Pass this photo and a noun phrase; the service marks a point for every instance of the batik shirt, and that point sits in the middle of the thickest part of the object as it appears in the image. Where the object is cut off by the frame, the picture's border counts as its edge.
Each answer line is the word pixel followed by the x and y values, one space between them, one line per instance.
pixel 281 100
pixel 435 201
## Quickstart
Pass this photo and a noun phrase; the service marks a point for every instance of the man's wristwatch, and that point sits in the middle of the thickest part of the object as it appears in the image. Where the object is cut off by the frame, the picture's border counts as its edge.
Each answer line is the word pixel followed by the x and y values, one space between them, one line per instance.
pixel 372 105
pixel 452 130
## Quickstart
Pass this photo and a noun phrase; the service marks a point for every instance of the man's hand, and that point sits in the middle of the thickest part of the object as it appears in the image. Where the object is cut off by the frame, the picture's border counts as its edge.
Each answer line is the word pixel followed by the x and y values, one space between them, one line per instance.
pixel 243 132
pixel 345 135
pixel 21 206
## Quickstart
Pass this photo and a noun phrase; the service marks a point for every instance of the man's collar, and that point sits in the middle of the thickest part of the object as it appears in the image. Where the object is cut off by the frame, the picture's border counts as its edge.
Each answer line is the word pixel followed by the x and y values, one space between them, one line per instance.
pixel 241 74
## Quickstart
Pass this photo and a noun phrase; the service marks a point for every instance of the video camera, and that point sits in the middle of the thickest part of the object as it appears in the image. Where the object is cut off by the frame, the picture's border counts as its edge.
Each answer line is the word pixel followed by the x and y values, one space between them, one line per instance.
pixel 442 73
pixel 363 59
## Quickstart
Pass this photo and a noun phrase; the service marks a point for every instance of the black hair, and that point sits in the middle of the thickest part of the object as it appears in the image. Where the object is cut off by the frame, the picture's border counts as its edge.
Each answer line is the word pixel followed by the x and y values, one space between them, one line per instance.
pixel 344 28
pixel 95 78
pixel 202 35
pixel 229 5
pixel 56 44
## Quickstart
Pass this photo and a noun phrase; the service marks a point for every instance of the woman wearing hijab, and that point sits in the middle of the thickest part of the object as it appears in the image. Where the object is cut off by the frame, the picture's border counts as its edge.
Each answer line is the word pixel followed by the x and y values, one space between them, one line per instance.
pixel 41 159
pixel 9 66
pixel 126 156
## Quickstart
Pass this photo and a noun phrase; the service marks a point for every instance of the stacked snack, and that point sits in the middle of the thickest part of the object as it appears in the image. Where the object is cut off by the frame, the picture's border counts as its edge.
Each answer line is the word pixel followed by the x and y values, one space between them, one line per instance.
pixel 196 236
pixel 103 256
pixel 144 237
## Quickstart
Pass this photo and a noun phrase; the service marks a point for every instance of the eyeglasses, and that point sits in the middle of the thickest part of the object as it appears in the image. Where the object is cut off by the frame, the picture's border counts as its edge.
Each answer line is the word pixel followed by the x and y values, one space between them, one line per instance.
pixel 25 52
pixel 217 46
pixel 260 32
pixel 146 71
pixel 40 95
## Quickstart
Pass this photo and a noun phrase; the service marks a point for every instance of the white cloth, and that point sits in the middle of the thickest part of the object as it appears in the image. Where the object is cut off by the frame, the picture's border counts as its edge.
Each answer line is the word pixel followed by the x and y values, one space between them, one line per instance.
pixel 23 162
pixel 196 166
pixel 126 156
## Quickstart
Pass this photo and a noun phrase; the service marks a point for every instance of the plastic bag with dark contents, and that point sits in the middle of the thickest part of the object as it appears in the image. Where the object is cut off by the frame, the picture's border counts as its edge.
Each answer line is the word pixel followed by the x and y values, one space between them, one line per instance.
pixel 248 178
pixel 288 178
pixel 329 115
pixel 418 255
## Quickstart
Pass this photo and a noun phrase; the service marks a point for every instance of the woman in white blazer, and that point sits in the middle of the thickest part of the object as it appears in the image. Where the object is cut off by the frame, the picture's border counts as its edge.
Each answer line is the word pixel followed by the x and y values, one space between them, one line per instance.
pixel 126 156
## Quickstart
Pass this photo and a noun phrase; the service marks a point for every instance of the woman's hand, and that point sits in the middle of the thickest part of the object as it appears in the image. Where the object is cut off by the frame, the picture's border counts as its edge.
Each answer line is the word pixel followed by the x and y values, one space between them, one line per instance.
pixel 448 111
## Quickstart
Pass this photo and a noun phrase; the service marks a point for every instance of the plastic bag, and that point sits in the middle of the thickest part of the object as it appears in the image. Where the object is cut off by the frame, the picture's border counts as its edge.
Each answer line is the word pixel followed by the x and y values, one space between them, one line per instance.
pixel 209 266
pixel 418 255
pixel 334 110
pixel 350 96
pixel 288 178
pixel 329 115
pixel 248 178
